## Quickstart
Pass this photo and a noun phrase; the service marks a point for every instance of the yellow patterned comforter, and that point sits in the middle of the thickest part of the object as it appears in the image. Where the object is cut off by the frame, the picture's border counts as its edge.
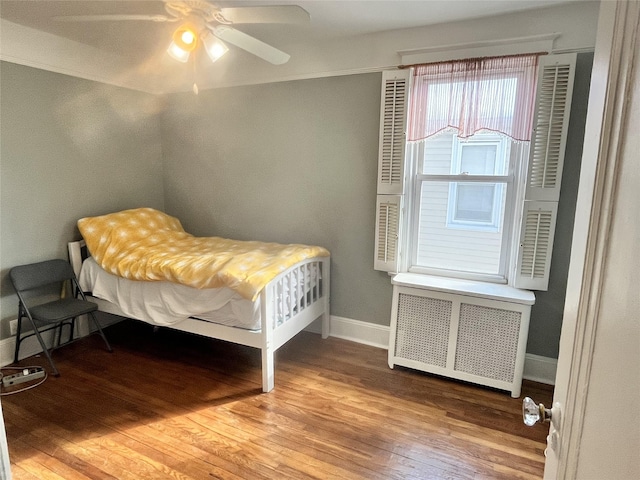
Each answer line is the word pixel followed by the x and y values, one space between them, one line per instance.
pixel 146 244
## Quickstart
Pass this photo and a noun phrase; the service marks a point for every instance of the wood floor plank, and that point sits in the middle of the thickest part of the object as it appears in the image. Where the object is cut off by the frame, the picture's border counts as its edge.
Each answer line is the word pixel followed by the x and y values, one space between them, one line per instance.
pixel 90 449
pixel 44 466
pixel 19 472
pixel 174 405
pixel 68 454
pixel 222 444
pixel 405 429
pixel 352 453
pixel 106 415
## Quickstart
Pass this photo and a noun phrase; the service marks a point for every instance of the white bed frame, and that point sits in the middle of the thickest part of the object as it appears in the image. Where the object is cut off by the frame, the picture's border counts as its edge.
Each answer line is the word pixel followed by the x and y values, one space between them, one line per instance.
pixel 271 336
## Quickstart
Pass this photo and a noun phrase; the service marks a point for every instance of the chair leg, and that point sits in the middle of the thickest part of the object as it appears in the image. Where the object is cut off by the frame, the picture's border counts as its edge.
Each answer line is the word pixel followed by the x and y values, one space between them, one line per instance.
pixel 18 340
pixel 72 330
pixel 57 331
pixel 45 349
pixel 97 324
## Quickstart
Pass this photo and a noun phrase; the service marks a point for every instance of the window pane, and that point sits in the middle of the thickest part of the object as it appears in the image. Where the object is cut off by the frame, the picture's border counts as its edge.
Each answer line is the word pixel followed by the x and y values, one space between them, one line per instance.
pixel 474 202
pixel 478 159
pixel 437 154
pixel 442 245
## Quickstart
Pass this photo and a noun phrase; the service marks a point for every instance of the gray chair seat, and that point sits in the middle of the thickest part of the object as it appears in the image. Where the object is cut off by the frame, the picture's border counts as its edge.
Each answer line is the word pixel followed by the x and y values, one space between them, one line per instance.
pixel 62 309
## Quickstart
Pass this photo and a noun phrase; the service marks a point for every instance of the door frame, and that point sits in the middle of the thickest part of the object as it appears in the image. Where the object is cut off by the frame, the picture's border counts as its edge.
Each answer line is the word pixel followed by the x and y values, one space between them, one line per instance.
pixel 604 137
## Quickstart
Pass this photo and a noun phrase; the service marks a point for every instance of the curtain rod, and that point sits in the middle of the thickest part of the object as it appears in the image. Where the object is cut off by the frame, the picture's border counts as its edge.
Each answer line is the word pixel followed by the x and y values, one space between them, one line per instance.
pixel 473 59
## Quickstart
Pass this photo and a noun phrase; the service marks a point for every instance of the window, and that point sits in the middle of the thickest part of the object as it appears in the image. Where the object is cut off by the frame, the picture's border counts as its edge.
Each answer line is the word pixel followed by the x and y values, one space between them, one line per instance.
pixel 461 206
pixel 477 206
pixel 460 225
pixel 470 201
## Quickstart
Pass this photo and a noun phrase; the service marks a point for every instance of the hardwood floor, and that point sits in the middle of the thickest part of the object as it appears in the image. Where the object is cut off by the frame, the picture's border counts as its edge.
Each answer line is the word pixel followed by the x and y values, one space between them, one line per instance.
pixel 176 406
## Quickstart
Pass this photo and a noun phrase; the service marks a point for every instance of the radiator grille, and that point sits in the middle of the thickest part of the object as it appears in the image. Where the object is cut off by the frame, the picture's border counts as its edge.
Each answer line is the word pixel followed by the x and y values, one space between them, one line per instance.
pixel 423 329
pixel 487 342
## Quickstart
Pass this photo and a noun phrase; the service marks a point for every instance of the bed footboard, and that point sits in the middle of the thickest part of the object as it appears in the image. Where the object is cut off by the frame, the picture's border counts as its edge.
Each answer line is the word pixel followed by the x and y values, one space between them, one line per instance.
pixel 289 304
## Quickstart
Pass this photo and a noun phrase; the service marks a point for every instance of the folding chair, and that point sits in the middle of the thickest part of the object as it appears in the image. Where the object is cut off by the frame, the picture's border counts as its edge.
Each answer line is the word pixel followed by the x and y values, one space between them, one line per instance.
pixel 42 281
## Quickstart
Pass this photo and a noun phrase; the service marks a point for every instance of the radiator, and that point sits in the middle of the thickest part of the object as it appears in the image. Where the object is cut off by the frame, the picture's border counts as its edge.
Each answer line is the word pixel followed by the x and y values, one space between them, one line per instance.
pixel 469 331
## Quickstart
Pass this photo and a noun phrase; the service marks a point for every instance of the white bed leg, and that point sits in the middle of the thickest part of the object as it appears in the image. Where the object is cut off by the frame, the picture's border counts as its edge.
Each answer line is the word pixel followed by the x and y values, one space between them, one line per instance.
pixel 326 325
pixel 268 368
pixel 326 316
pixel 267 311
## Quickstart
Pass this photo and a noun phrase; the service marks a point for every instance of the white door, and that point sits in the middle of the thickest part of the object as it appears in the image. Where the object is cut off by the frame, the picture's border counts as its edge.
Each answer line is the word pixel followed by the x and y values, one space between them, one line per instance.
pixel 597 434
pixel 5 470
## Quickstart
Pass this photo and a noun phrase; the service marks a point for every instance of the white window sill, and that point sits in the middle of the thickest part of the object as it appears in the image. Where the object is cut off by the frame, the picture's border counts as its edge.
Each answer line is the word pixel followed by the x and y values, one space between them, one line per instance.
pixel 471 288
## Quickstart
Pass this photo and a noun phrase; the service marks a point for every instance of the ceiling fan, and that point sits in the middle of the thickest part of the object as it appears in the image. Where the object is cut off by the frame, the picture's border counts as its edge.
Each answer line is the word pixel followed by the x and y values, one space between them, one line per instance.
pixel 203 23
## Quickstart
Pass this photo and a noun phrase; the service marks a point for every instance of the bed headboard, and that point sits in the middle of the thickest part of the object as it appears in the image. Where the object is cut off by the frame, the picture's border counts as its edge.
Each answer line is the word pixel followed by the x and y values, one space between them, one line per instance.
pixel 78 252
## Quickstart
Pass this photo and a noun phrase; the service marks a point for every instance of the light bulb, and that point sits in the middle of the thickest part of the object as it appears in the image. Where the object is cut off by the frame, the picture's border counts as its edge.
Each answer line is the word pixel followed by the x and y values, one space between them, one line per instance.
pixel 188 37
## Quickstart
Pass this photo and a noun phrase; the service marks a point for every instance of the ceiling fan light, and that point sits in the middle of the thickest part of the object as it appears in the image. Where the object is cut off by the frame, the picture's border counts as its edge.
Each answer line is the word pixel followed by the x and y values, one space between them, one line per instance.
pixel 177 53
pixel 186 38
pixel 215 48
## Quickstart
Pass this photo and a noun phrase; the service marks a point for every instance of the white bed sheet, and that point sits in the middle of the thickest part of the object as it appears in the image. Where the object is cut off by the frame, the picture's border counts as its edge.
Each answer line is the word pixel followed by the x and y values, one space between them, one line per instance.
pixel 168 303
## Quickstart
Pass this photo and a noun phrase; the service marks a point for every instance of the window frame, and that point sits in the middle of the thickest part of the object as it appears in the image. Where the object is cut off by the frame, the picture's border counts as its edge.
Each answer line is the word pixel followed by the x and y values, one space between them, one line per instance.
pixel 411 225
pixel 502 153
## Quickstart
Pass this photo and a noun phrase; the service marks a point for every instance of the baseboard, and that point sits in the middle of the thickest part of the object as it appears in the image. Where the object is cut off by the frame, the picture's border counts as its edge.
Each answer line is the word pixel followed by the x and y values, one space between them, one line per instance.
pixel 31 347
pixel 360 332
pixel 28 348
pixel 540 369
pixel 536 368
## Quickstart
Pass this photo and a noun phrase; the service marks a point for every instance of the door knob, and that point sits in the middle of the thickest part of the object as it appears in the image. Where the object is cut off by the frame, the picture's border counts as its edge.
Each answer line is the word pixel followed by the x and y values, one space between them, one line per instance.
pixel 533 413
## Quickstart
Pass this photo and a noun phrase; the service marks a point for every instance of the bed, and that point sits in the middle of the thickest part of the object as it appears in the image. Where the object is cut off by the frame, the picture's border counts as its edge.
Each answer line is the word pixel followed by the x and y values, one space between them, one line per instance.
pixel 263 316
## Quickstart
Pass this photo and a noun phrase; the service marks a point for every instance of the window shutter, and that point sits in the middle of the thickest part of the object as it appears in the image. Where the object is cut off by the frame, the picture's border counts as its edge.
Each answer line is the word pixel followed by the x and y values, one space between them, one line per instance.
pixel 393 127
pixel 391 165
pixel 544 176
pixel 388 210
pixel 538 227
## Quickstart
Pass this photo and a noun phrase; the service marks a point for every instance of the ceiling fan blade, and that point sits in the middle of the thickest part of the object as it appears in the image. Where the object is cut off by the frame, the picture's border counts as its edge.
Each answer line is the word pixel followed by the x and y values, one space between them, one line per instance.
pixel 250 44
pixel 266 14
pixel 102 18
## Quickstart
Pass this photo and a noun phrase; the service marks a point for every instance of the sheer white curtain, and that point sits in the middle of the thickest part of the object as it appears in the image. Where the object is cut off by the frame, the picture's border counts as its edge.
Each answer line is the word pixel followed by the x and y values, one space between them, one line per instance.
pixel 495 94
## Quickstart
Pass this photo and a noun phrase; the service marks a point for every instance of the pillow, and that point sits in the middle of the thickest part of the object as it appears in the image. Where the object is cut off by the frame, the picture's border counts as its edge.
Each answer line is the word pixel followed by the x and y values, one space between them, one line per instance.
pixel 124 228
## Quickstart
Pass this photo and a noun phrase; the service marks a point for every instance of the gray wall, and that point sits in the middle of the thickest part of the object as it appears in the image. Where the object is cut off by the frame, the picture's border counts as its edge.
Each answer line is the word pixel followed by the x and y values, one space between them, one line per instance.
pixel 285 162
pixel 297 162
pixel 69 148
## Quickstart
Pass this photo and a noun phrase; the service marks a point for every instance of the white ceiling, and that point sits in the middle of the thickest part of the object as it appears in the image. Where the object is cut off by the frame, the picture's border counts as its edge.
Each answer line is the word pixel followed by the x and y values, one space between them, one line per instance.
pixel 136 43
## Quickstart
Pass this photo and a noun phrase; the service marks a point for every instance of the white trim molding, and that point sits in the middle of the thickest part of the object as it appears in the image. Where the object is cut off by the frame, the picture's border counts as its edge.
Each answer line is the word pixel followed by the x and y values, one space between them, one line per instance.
pixel 29 348
pixel 360 332
pixel 503 46
pixel 536 368
pixel 540 369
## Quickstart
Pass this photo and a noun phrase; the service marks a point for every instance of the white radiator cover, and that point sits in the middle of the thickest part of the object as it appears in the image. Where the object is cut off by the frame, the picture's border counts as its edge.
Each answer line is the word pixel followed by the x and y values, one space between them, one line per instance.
pixel 466 330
